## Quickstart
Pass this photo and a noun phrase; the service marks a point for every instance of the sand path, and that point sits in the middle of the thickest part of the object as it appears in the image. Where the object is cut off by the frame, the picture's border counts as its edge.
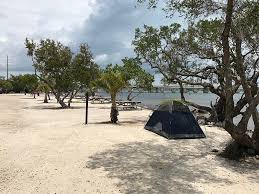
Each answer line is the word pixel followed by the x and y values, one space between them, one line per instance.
pixel 44 149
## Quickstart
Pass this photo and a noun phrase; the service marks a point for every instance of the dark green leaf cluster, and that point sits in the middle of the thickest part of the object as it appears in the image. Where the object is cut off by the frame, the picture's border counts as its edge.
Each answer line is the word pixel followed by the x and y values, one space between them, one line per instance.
pixel 64 72
pixel 26 82
pixel 59 67
pixel 5 86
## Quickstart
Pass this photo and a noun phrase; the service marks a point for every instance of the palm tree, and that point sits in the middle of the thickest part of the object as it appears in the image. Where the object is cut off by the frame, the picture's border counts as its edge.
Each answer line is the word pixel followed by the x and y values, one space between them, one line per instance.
pixel 42 87
pixel 113 80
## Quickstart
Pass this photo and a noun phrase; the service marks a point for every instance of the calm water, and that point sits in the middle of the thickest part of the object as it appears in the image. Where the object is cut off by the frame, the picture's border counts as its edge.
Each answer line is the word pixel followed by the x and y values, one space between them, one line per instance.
pixel 153 99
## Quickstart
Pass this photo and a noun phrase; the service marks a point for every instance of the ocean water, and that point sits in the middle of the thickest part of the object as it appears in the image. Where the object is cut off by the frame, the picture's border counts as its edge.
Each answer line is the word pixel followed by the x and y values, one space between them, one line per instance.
pixel 154 99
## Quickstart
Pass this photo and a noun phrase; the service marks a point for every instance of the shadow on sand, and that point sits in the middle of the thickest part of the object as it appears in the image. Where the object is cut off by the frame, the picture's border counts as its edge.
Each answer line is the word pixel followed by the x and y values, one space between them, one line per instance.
pixel 28 98
pixel 48 107
pixel 146 167
pixel 120 110
pixel 121 123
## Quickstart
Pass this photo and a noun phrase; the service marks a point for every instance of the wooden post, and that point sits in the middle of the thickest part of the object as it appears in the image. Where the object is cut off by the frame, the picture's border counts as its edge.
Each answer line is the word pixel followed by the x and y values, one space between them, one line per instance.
pixel 86 108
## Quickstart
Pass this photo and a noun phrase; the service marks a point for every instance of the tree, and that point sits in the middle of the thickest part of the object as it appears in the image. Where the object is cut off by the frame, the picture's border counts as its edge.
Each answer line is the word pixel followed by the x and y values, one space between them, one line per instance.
pixel 43 87
pixel 5 86
pixel 18 85
pixel 113 80
pixel 138 78
pixel 160 49
pixel 30 83
pixel 24 83
pixel 66 74
pixel 84 70
pixel 223 49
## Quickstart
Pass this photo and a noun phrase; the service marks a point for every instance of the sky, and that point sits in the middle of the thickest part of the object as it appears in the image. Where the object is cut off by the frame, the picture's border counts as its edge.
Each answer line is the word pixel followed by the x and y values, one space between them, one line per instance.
pixel 108 27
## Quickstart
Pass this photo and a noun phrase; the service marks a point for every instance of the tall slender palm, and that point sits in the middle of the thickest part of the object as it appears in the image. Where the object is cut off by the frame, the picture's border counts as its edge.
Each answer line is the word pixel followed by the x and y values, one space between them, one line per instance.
pixel 113 81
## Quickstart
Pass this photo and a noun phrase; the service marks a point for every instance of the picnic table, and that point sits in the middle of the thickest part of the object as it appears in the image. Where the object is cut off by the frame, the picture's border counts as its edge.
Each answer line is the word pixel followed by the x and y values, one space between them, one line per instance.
pixel 128 104
pixel 100 99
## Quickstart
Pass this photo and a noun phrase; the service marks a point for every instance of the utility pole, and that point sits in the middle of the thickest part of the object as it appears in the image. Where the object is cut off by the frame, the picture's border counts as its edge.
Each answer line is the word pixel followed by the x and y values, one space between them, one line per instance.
pixel 7 67
pixel 86 107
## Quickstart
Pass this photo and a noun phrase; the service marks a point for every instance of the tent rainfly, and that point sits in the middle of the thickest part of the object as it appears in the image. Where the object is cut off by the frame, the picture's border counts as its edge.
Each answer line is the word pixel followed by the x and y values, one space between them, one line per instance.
pixel 174 120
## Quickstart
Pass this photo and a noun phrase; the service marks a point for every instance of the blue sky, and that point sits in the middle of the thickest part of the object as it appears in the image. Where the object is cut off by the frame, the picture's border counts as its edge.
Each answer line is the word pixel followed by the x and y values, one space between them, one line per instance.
pixel 108 26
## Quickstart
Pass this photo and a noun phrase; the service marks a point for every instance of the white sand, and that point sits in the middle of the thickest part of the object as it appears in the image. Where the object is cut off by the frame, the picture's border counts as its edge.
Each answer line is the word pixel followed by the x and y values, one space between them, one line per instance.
pixel 49 150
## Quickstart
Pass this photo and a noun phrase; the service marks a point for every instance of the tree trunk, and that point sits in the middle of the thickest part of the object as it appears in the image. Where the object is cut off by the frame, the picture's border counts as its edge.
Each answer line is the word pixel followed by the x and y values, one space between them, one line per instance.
pixel 181 91
pixel 220 110
pixel 229 106
pixel 239 132
pixel 60 101
pixel 217 112
pixel 256 139
pixel 72 96
pixel 46 98
pixel 114 111
pixel 70 99
pixel 129 95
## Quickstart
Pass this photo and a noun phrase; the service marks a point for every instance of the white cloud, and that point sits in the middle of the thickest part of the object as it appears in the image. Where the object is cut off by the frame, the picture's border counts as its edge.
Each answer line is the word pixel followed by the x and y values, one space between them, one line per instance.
pixel 107 25
pixel 38 19
pixel 101 58
pixel 3 39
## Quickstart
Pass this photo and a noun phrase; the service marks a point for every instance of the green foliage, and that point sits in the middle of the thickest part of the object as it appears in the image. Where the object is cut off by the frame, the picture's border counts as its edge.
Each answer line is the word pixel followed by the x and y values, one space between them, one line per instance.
pixel 64 72
pixel 5 85
pixel 130 75
pixel 26 82
pixel 52 60
pixel 222 49
pixel 84 70
pixel 112 79
pixel 190 9
pixel 138 77
pixel 43 87
pixel 161 48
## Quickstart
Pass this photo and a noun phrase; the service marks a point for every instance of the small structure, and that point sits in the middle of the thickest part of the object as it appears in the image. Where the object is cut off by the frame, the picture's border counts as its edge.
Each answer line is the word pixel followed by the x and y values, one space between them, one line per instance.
pixel 174 120
pixel 128 105
pixel 100 99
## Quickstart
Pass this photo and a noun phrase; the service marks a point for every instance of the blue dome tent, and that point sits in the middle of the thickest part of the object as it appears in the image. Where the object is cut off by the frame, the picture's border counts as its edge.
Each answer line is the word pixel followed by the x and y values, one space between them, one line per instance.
pixel 174 120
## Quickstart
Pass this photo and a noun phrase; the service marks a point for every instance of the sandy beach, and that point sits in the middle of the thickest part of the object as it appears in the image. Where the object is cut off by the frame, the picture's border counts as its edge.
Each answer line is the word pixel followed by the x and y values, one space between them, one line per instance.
pixel 45 149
